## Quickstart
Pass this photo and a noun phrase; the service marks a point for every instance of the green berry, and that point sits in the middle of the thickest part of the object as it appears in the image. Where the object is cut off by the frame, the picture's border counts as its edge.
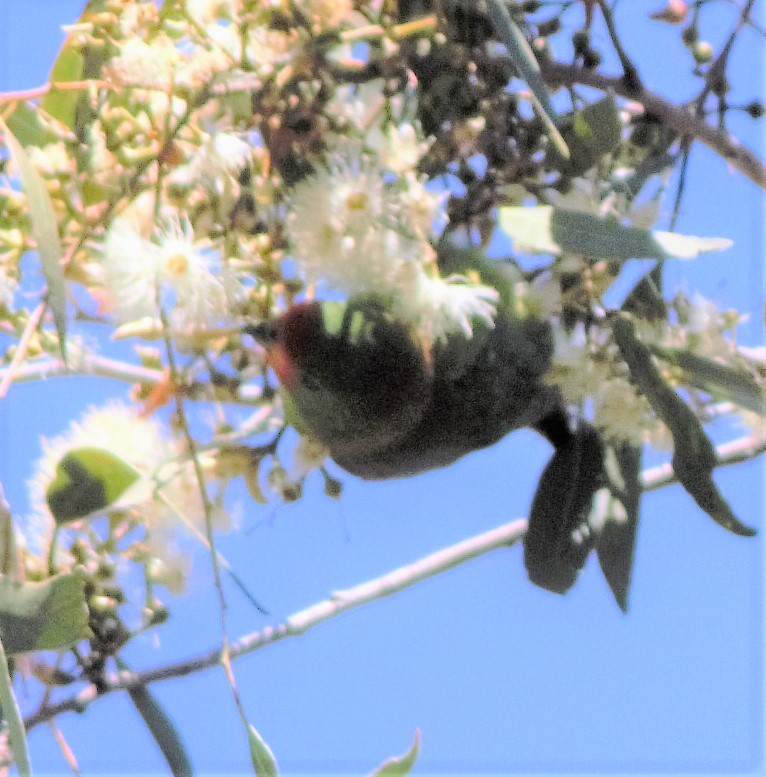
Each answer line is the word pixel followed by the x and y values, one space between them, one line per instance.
pixel 702 52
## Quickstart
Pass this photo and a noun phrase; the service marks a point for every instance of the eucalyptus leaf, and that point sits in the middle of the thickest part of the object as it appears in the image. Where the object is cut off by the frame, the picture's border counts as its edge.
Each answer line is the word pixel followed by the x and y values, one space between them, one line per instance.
pixel 400 765
pixel 162 730
pixel 87 481
pixel 11 715
pixel 47 615
pixel 264 762
pixel 723 383
pixel 45 231
pixel 548 230
pixel 590 134
pixel 617 538
pixel 524 60
pixel 61 104
pixel 25 124
pixel 694 457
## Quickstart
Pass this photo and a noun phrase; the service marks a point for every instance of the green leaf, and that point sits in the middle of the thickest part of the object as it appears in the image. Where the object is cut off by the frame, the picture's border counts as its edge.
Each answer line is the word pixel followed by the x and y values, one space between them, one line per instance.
pixel 589 134
pixel 548 230
pixel 723 383
pixel 26 126
pixel 264 763
pixel 694 457
pixel 48 615
pixel 617 536
pixel 12 716
pixel 400 765
pixel 45 231
pixel 62 104
pixel 524 60
pixel 162 730
pixel 87 481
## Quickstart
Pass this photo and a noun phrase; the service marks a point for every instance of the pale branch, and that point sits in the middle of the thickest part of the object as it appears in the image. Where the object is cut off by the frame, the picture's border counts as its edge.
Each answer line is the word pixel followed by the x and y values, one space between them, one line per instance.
pixel 90 365
pixel 300 622
pixel 678 118
pixel 734 452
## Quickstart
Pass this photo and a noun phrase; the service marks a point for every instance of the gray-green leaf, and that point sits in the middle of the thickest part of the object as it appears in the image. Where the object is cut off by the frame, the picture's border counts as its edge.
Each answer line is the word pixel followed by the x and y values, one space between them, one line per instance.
pixel 12 715
pixel 264 762
pixel 545 229
pixel 525 62
pixel 400 765
pixel 694 457
pixel 162 730
pixel 589 134
pixel 723 383
pixel 88 480
pixel 48 615
pixel 617 538
pixel 45 231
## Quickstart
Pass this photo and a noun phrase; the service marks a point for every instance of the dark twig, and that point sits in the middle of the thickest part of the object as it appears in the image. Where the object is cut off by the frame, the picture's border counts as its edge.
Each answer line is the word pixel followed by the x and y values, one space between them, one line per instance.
pixel 679 119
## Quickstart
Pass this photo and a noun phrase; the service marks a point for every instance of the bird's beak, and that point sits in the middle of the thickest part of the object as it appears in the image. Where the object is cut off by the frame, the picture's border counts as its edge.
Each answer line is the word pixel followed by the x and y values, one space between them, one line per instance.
pixel 264 332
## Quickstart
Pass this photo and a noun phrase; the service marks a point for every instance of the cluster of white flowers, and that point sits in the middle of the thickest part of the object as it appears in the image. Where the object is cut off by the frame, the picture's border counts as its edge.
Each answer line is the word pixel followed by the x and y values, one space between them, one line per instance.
pixel 143 63
pixel 354 228
pixel 591 377
pixel 173 269
pixel 167 494
pixel 220 155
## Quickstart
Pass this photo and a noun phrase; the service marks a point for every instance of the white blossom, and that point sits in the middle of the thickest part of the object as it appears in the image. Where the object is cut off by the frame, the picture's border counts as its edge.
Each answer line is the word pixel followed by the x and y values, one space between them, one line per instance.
pixel 185 276
pixel 398 147
pixel 220 155
pixel 166 497
pixel 357 231
pixel 439 307
pixel 142 63
pixel 344 228
pixel 621 412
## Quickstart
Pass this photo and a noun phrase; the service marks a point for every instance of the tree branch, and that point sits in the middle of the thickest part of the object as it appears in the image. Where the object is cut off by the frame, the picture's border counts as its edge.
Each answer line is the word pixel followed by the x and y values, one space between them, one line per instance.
pixel 300 622
pixel 734 452
pixel 677 118
pixel 87 364
pixel 364 593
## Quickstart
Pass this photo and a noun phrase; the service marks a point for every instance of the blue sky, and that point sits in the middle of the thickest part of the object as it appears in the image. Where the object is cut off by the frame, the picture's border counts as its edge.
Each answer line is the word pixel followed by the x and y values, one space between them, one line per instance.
pixel 498 675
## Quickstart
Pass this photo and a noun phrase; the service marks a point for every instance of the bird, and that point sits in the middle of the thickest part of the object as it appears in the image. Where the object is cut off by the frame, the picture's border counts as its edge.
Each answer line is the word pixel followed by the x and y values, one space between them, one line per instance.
pixel 388 404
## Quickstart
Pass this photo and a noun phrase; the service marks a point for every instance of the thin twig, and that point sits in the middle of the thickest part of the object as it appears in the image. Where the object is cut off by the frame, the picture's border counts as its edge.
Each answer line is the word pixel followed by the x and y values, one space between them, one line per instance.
pixel 717 71
pixel 735 452
pixel 21 348
pixel 680 119
pixel 337 603
pixel 191 443
pixel 88 364
pixel 630 73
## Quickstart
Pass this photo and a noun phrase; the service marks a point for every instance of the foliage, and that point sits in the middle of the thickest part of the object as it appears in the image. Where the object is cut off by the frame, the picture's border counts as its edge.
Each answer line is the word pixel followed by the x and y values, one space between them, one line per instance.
pixel 192 169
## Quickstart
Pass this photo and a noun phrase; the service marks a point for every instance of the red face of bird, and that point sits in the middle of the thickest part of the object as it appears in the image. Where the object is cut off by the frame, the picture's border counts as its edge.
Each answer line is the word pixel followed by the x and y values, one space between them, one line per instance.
pixel 288 338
